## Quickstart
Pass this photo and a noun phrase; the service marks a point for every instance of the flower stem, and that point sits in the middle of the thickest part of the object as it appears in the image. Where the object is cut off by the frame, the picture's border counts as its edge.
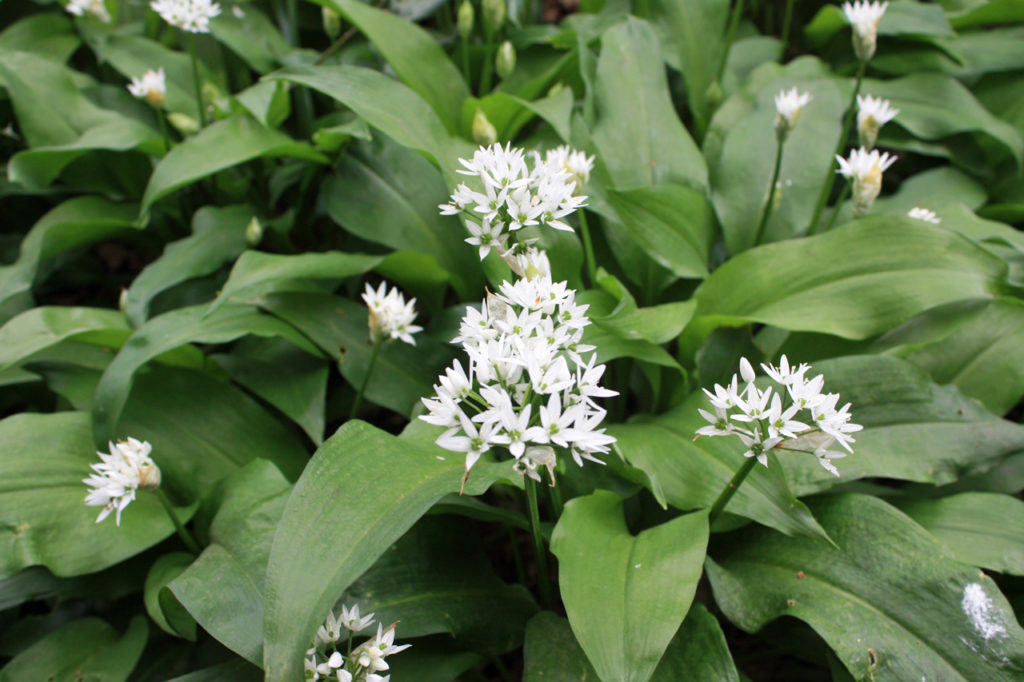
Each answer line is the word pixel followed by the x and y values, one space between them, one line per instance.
pixel 588 250
pixel 487 68
pixel 730 35
pixel 556 500
pixel 366 379
pixel 787 23
pixel 465 57
pixel 162 120
pixel 771 195
pixel 730 490
pixel 839 204
pixel 186 537
pixel 195 79
pixel 826 189
pixel 541 552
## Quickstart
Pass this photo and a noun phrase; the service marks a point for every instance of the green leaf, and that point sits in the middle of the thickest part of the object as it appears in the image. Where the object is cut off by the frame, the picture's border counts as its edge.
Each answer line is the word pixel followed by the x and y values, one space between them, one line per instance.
pixel 900 19
pixel 981 529
pixel 226 143
pixel 638 135
pixel 888 603
pixel 50 35
pixel 698 651
pixel 626 601
pixel 46 326
pixel 672 223
pixel 44 518
pixel 987 13
pixel 235 670
pixel 868 290
pixel 380 486
pixel 253 37
pixel 163 608
pixel 551 652
pixel 85 649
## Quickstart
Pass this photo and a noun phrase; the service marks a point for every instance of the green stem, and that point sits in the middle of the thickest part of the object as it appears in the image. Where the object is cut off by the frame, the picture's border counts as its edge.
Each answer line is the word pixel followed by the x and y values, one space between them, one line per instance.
pixel 541 552
pixel 195 79
pixel 163 128
pixel 502 669
pixel 588 250
pixel 487 67
pixel 839 204
pixel 843 137
pixel 366 379
pixel 730 35
pixel 185 536
pixel 555 493
pixel 730 490
pixel 771 195
pixel 787 23
pixel 465 58
pixel 517 556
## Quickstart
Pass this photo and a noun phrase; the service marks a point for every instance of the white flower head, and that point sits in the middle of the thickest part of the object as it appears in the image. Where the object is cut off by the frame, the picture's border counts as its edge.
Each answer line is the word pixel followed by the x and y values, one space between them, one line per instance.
pixel 122 471
pixel 789 104
pixel 924 214
pixel 872 114
pixel 152 87
pixel 864 18
pixel 864 168
pixel 97 8
pixel 390 316
pixel 188 15
pixel 370 655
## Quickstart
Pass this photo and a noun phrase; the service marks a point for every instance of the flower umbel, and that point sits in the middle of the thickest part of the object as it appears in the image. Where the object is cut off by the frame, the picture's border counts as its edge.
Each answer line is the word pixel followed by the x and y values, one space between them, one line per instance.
pixel 864 18
pixel 872 114
pixel 924 214
pixel 789 104
pixel 390 316
pixel 188 15
pixel 151 86
pixel 326 660
pixel 120 473
pixel 865 169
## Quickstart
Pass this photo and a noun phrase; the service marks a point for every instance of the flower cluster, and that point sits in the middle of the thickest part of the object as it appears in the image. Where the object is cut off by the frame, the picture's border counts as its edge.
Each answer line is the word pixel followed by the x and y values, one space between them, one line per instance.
pixel 864 168
pixel 324 659
pixel 768 419
pixel 864 18
pixel 918 213
pixel 872 114
pixel 788 105
pixel 527 389
pixel 127 468
pixel 390 316
pixel 517 193
pixel 152 87
pixel 97 8
pixel 188 15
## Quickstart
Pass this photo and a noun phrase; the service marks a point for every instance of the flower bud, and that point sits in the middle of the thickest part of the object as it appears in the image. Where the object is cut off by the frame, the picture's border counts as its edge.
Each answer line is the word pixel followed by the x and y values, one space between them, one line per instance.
pixel 254 231
pixel 122 300
pixel 865 190
pixel 494 15
pixel 555 89
pixel 864 17
pixel 864 168
pixel 331 21
pixel 149 475
pixel 872 114
pixel 466 18
pixel 484 132
pixel 185 124
pixel 505 61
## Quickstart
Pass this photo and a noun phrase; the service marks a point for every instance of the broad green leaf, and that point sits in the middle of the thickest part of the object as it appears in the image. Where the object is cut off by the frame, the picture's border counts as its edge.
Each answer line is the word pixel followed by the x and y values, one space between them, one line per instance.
pixel 415 56
pixel 166 611
pixel 551 652
pixel 672 223
pixel 389 195
pixel 235 670
pixel 45 520
pixel 169 331
pixel 900 19
pixel 46 326
pixel 84 649
pixel 980 529
pixel 623 330
pixel 253 37
pixel 987 13
pixel 933 189
pixel 698 651
pixel 218 237
pixel 889 603
pixel 625 601
pixel 48 35
pixel 380 486
pixel 434 659
pixel 868 290
pixel 226 143
pixel 638 135
pixel 984 358
pixel 437 579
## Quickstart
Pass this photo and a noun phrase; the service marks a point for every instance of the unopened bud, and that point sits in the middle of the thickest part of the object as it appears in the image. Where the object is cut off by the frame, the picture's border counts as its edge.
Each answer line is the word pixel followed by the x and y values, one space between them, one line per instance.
pixel 713 95
pixel 864 42
pixel 505 62
pixel 149 475
pixel 122 300
pixel 331 21
pixel 466 18
pixel 185 124
pixel 484 132
pixel 866 189
pixel 556 88
pixel 494 15
pixel 867 132
pixel 254 231
pixel 376 330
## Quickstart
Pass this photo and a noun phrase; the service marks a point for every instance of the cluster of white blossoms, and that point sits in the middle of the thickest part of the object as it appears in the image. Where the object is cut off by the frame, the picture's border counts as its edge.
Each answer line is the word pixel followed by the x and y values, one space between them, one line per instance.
pixel 324 659
pixel 918 213
pixel 864 168
pixel 789 104
pixel 771 419
pixel 188 15
pixel 517 193
pixel 872 114
pixel 864 18
pixel 124 470
pixel 528 388
pixel 390 316
pixel 152 87
pixel 97 8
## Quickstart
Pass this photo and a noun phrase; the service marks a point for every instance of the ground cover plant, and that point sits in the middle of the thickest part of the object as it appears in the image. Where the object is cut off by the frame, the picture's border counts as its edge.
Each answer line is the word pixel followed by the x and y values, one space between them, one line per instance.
pixel 498 340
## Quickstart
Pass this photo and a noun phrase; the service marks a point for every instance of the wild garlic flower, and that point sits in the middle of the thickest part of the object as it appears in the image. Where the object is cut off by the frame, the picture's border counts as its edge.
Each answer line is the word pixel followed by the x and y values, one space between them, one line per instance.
pixel 516 193
pixel 872 114
pixel 188 15
pixel 97 8
pixel 793 414
pixel 864 18
pixel 152 87
pixel 390 316
pixel 528 389
pixel 865 169
pixel 124 470
pixel 924 214
pixel 789 104
pixel 325 660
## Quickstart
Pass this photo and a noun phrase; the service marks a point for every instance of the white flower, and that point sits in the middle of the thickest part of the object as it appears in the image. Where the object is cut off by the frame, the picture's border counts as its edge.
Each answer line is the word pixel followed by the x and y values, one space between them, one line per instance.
pixel 188 15
pixel 151 86
pixel 924 214
pixel 864 18
pixel 120 473
pixel 865 169
pixel 97 8
pixel 371 654
pixel 352 621
pixel 576 163
pixel 872 114
pixel 789 104
pixel 390 316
